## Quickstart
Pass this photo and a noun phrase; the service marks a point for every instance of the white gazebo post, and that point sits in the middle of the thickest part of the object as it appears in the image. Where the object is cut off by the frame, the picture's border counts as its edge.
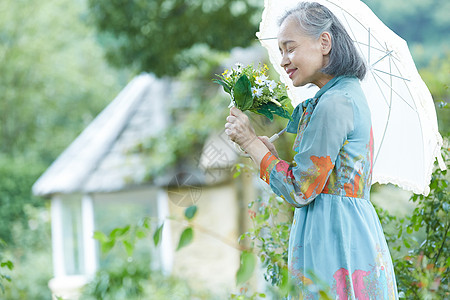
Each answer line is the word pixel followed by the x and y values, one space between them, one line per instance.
pixel 57 237
pixel 89 243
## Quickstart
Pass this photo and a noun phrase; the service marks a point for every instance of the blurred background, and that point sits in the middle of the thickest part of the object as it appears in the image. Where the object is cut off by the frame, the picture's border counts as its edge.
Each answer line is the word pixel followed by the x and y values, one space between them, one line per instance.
pixel 63 62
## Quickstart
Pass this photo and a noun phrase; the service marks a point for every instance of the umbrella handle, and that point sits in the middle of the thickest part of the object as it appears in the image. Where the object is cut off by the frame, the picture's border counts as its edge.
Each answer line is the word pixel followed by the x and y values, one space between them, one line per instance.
pixel 272 139
pixel 275 137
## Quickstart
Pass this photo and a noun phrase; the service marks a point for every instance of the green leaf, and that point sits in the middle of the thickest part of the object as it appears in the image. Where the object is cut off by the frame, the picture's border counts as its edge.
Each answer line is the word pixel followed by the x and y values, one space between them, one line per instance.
pixel 407 245
pixel 157 235
pixel 266 112
pixel 279 110
pixel 107 246
pixel 100 236
pixel 269 109
pixel 7 264
pixel 129 247
pixel 146 223
pixel 189 213
pixel 118 232
pixel 226 86
pixel 243 93
pixel 246 268
pixel 409 229
pixel 186 238
pixel 140 234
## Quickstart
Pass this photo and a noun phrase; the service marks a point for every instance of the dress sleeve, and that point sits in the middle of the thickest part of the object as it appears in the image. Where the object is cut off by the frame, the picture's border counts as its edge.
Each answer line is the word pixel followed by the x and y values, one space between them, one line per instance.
pixel 330 124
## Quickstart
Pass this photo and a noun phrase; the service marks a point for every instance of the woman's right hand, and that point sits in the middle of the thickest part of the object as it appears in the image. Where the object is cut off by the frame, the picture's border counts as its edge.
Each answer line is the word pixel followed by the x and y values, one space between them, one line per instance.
pixel 269 145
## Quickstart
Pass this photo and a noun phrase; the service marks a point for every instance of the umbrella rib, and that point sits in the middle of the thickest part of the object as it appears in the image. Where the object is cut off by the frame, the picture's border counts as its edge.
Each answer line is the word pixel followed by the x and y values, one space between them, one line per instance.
pixel 354 36
pixel 368 49
pixel 414 109
pixel 387 54
pixel 381 90
pixel 370 46
pixel 390 74
pixel 359 22
pixel 407 87
pixel 387 122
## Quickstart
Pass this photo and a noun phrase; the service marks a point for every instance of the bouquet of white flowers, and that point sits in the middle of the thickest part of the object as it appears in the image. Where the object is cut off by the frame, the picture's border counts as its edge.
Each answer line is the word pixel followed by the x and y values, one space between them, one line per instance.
pixel 250 89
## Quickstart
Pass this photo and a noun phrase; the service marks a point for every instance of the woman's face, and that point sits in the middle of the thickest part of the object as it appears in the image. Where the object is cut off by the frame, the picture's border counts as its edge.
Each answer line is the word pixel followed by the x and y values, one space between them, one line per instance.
pixel 302 56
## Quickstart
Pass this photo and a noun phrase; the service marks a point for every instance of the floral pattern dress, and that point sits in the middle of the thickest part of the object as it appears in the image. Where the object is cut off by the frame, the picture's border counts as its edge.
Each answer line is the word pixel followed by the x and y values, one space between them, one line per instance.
pixel 336 240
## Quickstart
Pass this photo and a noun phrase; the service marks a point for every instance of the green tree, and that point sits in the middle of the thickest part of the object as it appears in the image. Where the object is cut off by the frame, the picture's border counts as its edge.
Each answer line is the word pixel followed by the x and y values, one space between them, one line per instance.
pixel 17 176
pixel 54 79
pixel 161 36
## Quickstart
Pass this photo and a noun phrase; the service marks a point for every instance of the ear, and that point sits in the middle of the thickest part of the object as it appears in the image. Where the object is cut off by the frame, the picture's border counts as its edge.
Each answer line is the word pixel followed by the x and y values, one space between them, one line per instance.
pixel 325 42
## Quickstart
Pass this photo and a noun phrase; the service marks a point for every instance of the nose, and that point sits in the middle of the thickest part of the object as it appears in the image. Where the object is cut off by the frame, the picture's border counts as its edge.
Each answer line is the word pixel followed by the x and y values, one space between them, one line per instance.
pixel 284 60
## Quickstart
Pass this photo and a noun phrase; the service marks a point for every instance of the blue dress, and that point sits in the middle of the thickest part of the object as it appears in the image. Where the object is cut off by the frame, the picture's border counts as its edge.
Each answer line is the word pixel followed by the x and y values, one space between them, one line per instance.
pixel 336 240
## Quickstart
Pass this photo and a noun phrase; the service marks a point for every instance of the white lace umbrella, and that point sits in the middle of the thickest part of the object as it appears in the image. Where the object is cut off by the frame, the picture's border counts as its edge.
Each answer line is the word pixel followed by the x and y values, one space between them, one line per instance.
pixel 406 137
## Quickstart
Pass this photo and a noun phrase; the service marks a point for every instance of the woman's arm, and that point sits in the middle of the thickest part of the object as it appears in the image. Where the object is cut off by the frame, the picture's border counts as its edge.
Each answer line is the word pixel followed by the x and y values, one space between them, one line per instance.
pixel 330 126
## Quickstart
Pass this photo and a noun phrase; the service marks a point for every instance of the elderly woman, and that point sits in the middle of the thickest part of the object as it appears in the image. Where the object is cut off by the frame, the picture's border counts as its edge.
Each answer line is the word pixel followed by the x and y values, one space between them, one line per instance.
pixel 336 237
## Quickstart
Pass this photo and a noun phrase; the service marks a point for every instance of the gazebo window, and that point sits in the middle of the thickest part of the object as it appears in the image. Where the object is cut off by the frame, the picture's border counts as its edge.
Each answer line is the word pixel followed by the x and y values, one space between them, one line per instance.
pixel 73 243
pixel 113 210
pixel 75 218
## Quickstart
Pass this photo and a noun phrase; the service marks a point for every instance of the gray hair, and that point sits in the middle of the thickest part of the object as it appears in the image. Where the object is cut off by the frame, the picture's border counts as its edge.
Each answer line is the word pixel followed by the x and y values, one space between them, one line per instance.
pixel 314 19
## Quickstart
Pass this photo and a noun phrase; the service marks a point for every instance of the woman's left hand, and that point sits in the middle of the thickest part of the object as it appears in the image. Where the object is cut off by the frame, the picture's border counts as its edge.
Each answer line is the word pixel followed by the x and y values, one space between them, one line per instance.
pixel 239 129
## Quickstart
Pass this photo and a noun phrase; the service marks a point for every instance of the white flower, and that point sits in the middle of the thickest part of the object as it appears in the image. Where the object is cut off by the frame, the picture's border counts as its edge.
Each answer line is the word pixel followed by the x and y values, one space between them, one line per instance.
pixel 256 92
pixel 271 85
pixel 261 80
pixel 238 68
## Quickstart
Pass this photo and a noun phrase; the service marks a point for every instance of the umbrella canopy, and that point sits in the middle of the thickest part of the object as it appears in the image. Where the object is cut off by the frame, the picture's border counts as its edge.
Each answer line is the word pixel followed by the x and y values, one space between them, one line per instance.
pixel 406 136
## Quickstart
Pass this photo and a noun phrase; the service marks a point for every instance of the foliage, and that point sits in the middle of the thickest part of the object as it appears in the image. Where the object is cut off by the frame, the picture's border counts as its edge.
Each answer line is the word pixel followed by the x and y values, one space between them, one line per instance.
pixel 53 81
pixel 4 264
pixel 250 89
pixel 129 234
pixel 246 267
pixel 124 282
pixel 162 36
pixel 422 23
pixel 17 174
pixel 30 254
pixel 437 77
pixel 423 272
pixel 181 143
pixel 269 236
pixel 132 280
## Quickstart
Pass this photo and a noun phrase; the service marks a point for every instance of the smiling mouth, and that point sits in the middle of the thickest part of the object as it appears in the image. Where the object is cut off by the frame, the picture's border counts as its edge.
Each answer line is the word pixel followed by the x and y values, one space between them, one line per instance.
pixel 291 72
